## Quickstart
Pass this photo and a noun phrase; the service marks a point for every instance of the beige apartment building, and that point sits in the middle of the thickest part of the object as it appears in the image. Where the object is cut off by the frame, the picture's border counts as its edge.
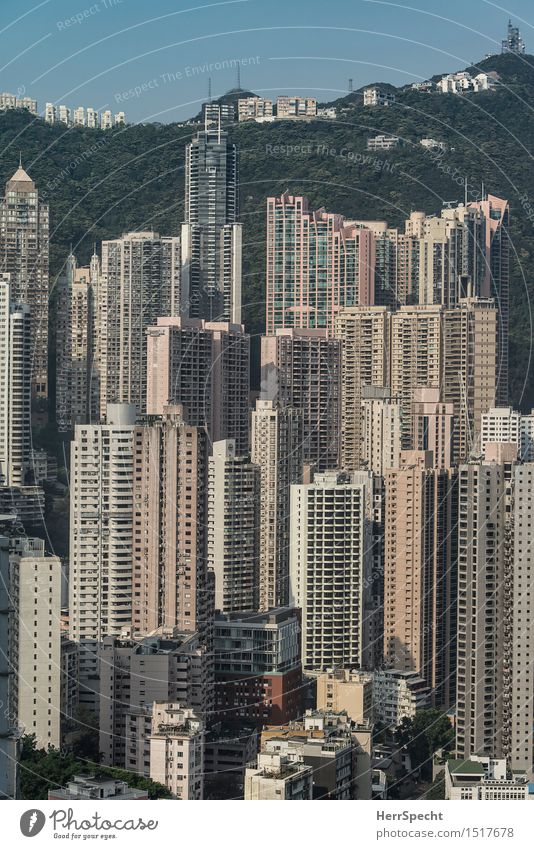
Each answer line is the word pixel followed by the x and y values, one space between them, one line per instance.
pixel 382 430
pixel 204 366
pixel 433 426
pixel 177 750
pixel 347 691
pixel 140 282
pixel 277 451
pixel 364 333
pixel 301 369
pixel 35 645
pixel 169 572
pixel 419 569
pixel 233 528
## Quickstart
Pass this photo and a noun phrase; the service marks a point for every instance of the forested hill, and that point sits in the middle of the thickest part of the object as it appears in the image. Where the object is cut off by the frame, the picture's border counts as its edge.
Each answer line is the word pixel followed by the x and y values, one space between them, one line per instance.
pixel 102 183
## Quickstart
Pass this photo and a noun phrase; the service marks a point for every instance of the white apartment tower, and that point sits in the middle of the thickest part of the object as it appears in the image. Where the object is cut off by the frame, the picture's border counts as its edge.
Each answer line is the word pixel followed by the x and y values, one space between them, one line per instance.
pixel 15 388
pixel 101 519
pixel 330 566
pixel 35 650
pixel 233 528
pixel 277 451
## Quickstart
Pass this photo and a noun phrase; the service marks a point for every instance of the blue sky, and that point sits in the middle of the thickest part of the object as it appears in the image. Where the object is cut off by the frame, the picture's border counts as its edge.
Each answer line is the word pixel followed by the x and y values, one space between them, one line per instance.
pixel 152 57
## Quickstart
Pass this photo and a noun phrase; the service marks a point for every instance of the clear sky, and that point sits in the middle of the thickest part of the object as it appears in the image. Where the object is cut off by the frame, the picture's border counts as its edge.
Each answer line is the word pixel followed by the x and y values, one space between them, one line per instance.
pixel 151 58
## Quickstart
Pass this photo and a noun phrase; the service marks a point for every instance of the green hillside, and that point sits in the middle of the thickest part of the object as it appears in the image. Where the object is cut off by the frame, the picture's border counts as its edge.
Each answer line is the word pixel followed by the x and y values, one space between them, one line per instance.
pixel 100 184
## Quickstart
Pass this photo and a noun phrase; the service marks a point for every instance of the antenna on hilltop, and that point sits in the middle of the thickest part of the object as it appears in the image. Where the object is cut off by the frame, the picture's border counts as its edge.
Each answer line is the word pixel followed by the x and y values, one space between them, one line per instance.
pixel 239 76
pixel 209 89
pixel 351 86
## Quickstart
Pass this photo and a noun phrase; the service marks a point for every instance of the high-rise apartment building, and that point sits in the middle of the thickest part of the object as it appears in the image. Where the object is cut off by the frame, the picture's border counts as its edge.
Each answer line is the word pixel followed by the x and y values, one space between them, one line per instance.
pixel 330 567
pixel 24 256
pixel 420 572
pixel 277 451
pixel 211 234
pixel 9 742
pixel 382 430
pixel 35 645
pixel 78 344
pixel 140 282
pixel 302 369
pixel 469 371
pixel 233 528
pixel 484 503
pixel 364 333
pixel 101 525
pixel 433 426
pixel 204 366
pixel 15 388
pixel 317 264
pixel 501 424
pixel 170 581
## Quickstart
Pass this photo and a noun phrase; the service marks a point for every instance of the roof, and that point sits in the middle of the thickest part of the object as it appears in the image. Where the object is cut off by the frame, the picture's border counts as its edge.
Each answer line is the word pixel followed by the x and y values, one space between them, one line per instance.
pixel 20 176
pixel 465 767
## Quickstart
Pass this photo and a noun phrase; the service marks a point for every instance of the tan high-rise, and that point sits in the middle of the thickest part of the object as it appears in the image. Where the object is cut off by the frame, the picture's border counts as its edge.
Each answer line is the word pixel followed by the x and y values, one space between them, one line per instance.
pixel 277 451
pixel 170 584
pixel 419 573
pixel 364 333
pixel 204 366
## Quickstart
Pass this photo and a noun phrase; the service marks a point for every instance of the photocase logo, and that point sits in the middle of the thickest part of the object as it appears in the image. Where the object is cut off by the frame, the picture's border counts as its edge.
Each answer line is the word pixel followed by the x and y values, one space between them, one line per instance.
pixel 32 822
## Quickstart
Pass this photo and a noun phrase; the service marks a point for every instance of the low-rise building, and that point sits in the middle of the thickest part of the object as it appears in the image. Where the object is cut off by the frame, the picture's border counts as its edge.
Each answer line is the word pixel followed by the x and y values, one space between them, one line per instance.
pixel 177 750
pixel 276 777
pixel 82 787
pixel 374 96
pixel 383 142
pixel 229 748
pixel 433 144
pixel 398 694
pixel 484 779
pixel 289 106
pixel 347 690
pixel 254 108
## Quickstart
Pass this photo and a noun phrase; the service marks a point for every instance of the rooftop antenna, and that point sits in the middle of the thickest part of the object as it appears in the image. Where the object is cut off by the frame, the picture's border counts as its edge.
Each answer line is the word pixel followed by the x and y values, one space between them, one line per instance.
pixel 20 159
pixel 351 86
pixel 483 191
pixel 465 192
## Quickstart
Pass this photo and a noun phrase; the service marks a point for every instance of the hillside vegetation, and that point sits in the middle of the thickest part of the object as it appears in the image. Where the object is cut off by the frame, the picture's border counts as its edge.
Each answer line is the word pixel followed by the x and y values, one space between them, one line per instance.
pixel 102 183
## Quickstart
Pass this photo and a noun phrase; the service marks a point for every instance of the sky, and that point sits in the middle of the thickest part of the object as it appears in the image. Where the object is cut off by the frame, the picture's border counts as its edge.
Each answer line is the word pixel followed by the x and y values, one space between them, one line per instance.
pixel 152 58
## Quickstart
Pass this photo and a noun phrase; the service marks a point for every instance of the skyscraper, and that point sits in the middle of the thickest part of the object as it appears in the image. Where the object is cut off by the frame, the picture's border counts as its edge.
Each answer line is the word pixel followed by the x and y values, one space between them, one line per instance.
pixel 382 428
pixel 485 492
pixel 420 572
pixel 211 234
pixel 170 582
pixel 35 644
pixel 317 264
pixel 24 256
pixel 78 342
pixel 140 282
pixel 365 336
pixel 204 366
pixel 233 528
pixel 301 369
pixel 277 451
pixel 101 539
pixel 15 388
pixel 330 567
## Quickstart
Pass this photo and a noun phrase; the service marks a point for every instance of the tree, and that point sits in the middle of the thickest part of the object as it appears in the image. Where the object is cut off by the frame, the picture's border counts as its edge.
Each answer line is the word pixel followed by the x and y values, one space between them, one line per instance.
pixel 428 731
